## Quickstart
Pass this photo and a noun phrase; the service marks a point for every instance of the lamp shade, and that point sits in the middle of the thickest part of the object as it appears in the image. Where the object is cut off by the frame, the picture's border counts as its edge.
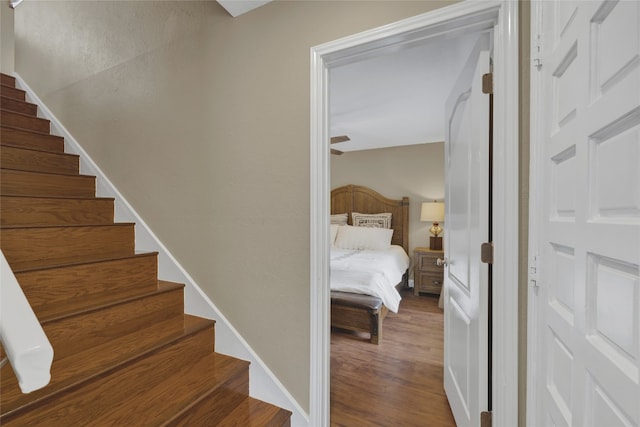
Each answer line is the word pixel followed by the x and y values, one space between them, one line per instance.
pixel 432 212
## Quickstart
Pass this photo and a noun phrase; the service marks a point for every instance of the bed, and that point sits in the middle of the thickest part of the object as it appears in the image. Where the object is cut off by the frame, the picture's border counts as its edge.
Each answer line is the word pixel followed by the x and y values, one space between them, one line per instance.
pixel 356 311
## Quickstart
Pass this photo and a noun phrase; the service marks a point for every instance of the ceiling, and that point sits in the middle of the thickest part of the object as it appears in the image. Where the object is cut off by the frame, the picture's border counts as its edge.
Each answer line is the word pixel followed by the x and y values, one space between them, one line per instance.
pixel 396 98
pixel 238 7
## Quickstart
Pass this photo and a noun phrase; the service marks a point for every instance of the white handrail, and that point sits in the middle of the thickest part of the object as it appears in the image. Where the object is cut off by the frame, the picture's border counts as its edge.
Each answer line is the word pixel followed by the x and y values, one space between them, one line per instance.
pixel 27 347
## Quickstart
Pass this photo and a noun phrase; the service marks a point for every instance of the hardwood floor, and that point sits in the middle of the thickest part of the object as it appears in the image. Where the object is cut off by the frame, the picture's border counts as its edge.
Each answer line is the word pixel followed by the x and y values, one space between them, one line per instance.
pixel 396 383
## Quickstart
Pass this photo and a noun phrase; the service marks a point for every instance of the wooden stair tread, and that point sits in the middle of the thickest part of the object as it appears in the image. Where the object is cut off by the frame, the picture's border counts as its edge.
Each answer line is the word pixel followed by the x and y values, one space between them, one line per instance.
pixel 222 377
pixel 77 332
pixel 17 105
pixel 7 80
pixel 25 183
pixel 58 290
pixel 56 197
pixel 256 413
pixel 63 261
pixel 15 137
pixel 45 246
pixel 9 126
pixel 39 150
pixel 25 121
pixel 34 210
pixel 147 392
pixel 12 92
pixel 74 370
pixel 43 174
pixel 65 309
pixel 77 260
pixel 28 159
pixel 45 226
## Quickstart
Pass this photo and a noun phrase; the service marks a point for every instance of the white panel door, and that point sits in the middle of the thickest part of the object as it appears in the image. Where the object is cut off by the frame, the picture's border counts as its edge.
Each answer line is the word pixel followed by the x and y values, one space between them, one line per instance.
pixel 466 219
pixel 588 340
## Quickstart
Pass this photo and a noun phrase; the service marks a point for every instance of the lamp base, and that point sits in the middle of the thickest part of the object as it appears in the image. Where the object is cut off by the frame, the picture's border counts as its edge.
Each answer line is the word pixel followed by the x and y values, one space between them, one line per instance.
pixel 435 243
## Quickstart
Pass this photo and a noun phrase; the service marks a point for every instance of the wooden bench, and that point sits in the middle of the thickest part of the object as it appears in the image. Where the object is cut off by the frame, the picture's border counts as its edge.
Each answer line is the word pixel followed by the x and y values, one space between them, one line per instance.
pixel 359 313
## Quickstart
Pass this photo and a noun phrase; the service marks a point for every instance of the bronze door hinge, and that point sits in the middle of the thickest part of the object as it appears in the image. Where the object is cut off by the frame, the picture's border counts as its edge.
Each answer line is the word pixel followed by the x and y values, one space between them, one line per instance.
pixel 487 83
pixel 486 253
pixel 485 419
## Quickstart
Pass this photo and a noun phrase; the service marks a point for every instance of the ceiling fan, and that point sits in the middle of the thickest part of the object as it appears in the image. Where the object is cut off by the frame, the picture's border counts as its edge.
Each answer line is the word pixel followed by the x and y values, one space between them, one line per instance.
pixel 336 140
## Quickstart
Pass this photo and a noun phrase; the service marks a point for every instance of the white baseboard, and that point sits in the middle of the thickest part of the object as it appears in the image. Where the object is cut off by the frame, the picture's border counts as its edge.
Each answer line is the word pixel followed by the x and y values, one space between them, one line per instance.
pixel 264 385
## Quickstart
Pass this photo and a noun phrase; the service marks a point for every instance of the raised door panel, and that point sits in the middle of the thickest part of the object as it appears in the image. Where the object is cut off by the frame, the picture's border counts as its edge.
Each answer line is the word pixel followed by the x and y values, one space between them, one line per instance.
pixel 590 238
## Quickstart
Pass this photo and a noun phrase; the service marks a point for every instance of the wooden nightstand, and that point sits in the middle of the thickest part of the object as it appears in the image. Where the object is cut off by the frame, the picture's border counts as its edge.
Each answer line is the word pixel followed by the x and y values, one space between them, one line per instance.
pixel 428 276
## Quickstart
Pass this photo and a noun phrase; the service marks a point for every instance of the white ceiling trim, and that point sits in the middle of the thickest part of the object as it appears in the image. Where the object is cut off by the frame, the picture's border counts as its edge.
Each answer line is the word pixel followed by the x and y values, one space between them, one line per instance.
pixel 238 7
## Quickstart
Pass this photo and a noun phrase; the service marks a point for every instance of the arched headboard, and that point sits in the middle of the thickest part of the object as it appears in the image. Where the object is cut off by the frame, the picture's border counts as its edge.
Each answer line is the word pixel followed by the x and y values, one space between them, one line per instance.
pixel 356 198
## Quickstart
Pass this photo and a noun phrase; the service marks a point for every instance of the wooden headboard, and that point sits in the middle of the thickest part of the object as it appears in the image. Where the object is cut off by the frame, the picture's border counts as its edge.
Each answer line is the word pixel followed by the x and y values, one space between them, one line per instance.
pixel 356 198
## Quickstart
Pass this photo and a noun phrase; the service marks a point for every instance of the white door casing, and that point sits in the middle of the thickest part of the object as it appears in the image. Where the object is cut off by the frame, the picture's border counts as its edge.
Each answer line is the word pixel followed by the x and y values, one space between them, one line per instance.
pixel 502 16
pixel 584 319
pixel 467 223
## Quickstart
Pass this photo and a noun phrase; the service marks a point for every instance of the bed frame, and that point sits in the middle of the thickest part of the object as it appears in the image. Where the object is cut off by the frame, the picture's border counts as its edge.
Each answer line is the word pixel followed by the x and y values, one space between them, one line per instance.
pixel 364 313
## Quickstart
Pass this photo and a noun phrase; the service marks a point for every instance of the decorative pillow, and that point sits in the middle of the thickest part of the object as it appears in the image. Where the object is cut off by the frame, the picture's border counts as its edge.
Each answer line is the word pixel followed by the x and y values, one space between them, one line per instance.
pixel 381 220
pixel 340 219
pixel 359 238
pixel 334 233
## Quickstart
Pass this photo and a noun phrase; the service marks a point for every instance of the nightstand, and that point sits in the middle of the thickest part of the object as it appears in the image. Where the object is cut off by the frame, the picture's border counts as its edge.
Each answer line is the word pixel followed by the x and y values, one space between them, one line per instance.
pixel 428 276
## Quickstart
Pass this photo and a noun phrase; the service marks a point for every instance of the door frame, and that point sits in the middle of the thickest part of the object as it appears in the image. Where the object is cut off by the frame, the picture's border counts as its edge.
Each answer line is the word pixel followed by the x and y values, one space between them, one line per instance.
pixel 464 16
pixel 536 157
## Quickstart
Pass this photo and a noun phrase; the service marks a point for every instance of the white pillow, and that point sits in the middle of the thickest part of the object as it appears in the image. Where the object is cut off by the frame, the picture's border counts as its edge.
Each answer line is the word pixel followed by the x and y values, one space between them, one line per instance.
pixel 359 238
pixel 340 219
pixel 381 220
pixel 334 233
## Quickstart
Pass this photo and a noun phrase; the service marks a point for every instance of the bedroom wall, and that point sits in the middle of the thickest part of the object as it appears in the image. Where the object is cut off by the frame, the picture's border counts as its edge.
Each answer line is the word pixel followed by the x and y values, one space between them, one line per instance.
pixel 416 171
pixel 202 122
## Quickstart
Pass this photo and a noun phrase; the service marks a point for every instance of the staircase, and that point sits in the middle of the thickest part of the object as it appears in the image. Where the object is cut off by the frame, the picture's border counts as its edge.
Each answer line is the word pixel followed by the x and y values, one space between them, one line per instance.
pixel 125 352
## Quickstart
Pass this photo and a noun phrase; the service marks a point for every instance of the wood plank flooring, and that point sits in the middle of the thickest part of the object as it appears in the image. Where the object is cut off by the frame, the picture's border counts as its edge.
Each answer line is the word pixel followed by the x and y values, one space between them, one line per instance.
pixel 396 383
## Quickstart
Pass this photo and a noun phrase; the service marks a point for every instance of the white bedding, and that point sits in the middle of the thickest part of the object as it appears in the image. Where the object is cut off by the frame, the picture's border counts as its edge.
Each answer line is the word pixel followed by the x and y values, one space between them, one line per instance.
pixel 370 272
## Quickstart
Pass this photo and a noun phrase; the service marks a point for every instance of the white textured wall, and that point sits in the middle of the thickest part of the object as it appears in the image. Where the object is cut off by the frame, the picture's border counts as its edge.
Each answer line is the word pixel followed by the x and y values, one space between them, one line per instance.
pixel 202 122
pixel 416 171
pixel 6 38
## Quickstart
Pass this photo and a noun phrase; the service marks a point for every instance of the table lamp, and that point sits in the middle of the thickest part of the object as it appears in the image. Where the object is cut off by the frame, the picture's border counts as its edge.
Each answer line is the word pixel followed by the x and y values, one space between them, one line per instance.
pixel 433 212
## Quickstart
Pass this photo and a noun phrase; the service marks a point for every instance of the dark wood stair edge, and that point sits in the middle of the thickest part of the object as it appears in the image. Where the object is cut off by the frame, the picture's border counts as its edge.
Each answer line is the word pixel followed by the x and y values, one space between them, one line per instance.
pixel 26 196
pixel 115 224
pixel 163 287
pixel 108 371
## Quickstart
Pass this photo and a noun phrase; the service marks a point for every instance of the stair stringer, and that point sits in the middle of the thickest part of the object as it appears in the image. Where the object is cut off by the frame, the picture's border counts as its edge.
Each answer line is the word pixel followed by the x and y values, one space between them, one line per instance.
pixel 264 384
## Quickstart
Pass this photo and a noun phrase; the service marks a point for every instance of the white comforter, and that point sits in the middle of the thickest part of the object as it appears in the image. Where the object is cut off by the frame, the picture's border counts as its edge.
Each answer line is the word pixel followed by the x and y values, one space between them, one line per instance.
pixel 370 272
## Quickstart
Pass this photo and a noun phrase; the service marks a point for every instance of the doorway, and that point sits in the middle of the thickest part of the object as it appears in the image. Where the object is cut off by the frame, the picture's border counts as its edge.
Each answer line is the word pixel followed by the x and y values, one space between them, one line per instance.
pixel 455 19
